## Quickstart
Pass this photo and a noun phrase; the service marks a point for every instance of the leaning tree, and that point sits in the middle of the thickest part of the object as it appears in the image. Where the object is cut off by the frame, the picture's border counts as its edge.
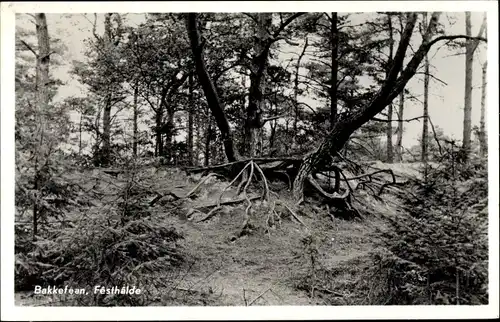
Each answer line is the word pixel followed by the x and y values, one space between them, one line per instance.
pixel 322 158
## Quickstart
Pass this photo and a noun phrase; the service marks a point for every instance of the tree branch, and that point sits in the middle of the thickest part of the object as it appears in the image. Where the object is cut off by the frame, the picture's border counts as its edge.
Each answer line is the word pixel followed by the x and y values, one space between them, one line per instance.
pixel 29 47
pixel 412 66
pixel 272 118
pixel 454 37
pixel 286 23
pixel 397 120
pixel 434 77
pixel 251 16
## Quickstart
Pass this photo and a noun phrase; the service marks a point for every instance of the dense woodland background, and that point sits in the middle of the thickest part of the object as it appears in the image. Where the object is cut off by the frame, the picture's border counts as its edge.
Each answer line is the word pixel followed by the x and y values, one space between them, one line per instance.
pixel 254 130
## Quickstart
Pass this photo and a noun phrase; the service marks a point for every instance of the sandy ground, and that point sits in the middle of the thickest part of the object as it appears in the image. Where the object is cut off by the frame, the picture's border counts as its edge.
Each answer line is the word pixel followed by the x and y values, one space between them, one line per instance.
pixel 260 268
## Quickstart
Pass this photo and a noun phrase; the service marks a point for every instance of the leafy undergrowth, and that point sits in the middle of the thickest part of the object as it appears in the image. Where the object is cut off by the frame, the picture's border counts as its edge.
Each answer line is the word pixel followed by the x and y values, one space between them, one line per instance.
pixel 431 249
pixel 118 237
pixel 305 258
pixel 110 240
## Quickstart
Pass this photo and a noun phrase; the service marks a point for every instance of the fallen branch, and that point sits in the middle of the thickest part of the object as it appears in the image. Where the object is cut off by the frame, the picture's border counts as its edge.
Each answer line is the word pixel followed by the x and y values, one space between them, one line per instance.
pixel 261 294
pixel 329 213
pixel 324 290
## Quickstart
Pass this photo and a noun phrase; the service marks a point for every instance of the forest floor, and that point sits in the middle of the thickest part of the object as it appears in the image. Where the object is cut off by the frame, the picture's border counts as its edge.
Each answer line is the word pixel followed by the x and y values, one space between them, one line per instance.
pixel 266 266
pixel 237 272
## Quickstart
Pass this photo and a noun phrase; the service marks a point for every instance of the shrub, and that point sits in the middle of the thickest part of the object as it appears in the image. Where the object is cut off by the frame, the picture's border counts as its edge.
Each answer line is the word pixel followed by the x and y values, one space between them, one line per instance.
pixel 437 247
pixel 118 244
pixel 98 254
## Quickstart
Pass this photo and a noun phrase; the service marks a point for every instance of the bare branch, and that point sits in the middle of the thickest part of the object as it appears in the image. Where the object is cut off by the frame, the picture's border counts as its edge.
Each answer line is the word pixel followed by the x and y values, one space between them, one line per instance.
pixel 29 47
pixel 251 16
pixel 286 23
pixel 387 121
pixel 434 77
pixel 272 118
pixel 454 37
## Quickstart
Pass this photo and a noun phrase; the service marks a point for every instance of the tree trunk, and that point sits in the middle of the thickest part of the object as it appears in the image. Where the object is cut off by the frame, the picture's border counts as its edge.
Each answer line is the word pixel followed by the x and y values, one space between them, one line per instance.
pixel 333 88
pixel 390 149
pixel 241 126
pixel 399 140
pixel 296 96
pixel 208 142
pixel 470 48
pixel 106 117
pixel 392 86
pixel 199 135
pixel 166 102
pixel 400 130
pixel 80 135
pixel 190 120
pixel 483 144
pixel 42 98
pixel 469 56
pixel 390 89
pixel 322 156
pixel 425 129
pixel 169 128
pixel 208 87
pixel 272 136
pixel 159 138
pixel 136 114
pixel 257 85
pixel 106 132
pixel 43 60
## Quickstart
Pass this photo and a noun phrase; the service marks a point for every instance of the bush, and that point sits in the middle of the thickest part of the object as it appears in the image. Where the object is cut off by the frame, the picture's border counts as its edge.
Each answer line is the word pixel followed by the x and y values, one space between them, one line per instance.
pixel 437 248
pixel 118 244
pixel 98 254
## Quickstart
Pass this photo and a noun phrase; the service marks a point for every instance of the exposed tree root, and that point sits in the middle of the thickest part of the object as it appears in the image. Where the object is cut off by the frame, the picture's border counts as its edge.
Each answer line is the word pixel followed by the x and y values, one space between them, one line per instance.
pixel 202 181
pixel 369 178
pixel 329 212
pixel 294 215
pixel 273 218
pixel 227 168
pixel 216 207
pixel 250 171
pixel 261 169
pixel 251 165
pixel 249 203
pixel 330 196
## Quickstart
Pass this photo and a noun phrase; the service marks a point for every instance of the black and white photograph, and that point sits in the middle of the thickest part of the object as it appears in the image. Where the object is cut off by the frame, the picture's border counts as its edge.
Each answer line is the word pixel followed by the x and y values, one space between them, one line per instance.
pixel 250 156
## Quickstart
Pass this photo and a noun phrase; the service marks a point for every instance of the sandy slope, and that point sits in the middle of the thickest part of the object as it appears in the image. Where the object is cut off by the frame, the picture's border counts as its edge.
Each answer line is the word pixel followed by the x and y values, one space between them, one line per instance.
pixel 261 268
